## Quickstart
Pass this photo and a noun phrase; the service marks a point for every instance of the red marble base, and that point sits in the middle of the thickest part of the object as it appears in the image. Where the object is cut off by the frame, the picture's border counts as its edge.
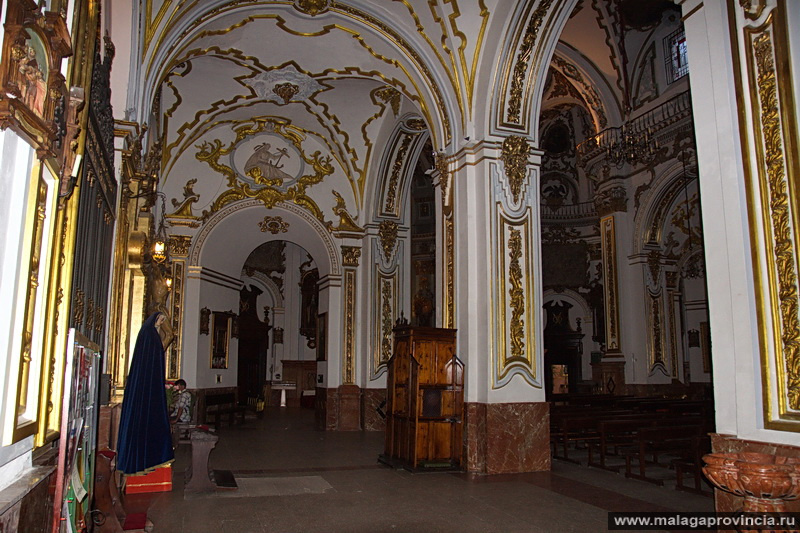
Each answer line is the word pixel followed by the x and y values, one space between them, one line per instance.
pixel 507 438
pixel 349 408
pixel 727 502
pixel 372 400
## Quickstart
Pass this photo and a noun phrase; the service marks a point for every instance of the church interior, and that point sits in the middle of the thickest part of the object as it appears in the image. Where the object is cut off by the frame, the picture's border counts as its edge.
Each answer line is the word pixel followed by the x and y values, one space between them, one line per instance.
pixel 546 249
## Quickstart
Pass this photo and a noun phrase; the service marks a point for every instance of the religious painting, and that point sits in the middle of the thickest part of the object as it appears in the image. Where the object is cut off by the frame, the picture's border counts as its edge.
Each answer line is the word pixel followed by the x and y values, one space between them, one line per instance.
pixel 322 336
pixel 33 69
pixel 220 338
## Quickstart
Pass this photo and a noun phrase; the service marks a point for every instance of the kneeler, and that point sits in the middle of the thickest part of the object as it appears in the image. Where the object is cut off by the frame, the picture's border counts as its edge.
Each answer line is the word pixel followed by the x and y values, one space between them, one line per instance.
pixel 107 501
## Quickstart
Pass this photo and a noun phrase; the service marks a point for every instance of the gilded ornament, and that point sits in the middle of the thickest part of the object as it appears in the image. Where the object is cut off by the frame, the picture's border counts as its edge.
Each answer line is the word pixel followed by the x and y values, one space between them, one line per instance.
pixel 179 245
pixel 394 180
pixel 311 7
pixel 440 163
pixel 753 8
pixel 273 225
pixel 780 216
pixel 386 322
pixel 654 264
pixel 350 255
pixel 183 208
pixel 77 315
pixel 416 124
pixel 346 222
pixel 450 272
pixel 387 231
pixel 286 91
pixel 611 200
pixel 266 189
pixel 515 159
pixel 390 95
pixel 349 325
pixel 513 114
pixel 516 295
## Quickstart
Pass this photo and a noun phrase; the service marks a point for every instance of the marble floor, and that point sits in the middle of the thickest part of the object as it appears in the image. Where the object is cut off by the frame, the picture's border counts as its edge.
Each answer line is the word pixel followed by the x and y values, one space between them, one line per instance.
pixel 293 478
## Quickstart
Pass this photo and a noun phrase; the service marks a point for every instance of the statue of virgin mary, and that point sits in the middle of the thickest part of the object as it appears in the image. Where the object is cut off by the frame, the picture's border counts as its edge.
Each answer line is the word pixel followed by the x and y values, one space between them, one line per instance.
pixel 144 441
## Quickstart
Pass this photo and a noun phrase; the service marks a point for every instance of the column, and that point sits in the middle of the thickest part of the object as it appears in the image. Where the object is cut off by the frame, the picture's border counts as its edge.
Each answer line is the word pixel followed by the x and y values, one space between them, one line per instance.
pixel 493 191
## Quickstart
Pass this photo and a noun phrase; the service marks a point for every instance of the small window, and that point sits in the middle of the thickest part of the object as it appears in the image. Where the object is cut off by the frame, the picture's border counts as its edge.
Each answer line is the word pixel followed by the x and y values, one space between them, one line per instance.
pixel 675 55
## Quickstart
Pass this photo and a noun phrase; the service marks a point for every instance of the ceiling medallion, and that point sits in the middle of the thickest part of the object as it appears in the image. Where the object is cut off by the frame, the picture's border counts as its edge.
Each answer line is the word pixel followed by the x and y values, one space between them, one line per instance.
pixel 311 7
pixel 274 85
pixel 273 225
pixel 286 91
pixel 266 162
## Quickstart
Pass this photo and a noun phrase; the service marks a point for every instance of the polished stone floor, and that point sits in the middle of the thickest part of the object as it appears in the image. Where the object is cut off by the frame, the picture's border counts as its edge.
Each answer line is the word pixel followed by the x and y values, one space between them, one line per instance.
pixel 293 478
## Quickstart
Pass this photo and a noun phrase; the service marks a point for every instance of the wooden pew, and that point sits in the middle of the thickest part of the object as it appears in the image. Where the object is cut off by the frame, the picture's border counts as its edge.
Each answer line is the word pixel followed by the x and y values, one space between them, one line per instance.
pixel 658 440
pixel 615 434
pixel 223 404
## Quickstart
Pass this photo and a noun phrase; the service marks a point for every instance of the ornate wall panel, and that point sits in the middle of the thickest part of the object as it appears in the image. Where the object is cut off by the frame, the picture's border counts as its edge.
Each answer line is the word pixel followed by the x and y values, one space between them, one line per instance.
pixel 516 313
pixel 386 308
pixel 609 247
pixel 349 346
pixel 656 333
pixel 769 133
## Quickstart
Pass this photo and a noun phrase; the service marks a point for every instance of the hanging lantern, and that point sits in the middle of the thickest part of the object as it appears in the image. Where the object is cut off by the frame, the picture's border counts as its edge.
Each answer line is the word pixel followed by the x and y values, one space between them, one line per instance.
pixel 159 251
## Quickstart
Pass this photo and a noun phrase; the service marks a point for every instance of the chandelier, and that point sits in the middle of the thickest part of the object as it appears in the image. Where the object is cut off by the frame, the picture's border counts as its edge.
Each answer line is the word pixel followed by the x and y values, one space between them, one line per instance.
pixel 630 145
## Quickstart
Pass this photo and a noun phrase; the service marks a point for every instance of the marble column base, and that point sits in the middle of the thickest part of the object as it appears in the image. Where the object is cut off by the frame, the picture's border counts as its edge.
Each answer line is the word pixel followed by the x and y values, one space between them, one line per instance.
pixel 371 400
pixel 339 409
pixel 507 438
pixel 727 502
pixel 349 408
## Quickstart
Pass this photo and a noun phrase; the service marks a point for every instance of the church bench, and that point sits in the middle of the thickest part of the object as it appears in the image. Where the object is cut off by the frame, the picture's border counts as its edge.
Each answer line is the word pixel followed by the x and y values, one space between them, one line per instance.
pixel 579 428
pixel 225 403
pixel 659 440
pixel 614 434
pixel 692 462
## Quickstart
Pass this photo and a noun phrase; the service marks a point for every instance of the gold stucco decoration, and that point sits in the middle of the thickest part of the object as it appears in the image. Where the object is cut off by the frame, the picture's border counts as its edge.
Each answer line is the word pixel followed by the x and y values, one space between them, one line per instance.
pixel 311 7
pixel 391 96
pixel 513 114
pixel 346 221
pixel 183 208
pixel 516 295
pixel 263 178
pixel 780 215
pixel 179 245
pixel 286 91
pixel 515 159
pixel 350 255
pixel 388 234
pixel 273 225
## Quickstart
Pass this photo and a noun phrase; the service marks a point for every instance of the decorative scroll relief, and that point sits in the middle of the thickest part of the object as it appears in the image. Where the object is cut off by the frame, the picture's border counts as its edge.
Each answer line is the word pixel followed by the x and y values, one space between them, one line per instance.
pixel 609 248
pixel 390 203
pixel 655 344
pixel 266 162
pixel 772 186
pixel 523 56
pixel 349 359
pixel 174 352
pixel 515 311
pixel 387 231
pixel 385 306
pixel 515 160
pixel 449 272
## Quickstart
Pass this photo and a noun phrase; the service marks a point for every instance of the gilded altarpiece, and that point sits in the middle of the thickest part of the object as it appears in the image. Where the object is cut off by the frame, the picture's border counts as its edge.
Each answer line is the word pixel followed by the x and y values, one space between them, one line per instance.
pixel 514 225
pixel 768 128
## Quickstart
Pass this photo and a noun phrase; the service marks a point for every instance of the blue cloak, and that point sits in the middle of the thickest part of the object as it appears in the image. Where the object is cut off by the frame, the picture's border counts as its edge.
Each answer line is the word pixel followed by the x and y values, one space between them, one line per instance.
pixel 144 440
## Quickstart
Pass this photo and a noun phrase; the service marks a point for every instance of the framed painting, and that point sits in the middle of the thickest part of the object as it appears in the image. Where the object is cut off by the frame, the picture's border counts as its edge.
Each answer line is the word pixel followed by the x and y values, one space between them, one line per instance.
pixel 220 339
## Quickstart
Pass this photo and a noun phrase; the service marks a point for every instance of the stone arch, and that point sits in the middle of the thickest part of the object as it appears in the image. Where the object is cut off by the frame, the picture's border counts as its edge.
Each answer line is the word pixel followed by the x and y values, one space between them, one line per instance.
pixel 303 229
